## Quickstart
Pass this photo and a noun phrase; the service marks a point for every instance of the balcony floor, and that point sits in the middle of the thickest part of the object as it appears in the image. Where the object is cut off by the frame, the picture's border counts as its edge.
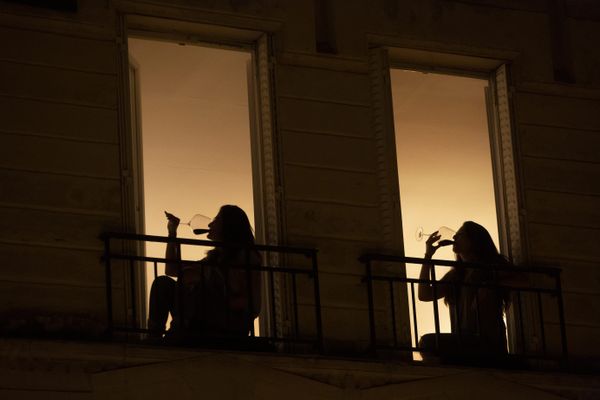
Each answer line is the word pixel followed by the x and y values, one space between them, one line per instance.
pixel 91 370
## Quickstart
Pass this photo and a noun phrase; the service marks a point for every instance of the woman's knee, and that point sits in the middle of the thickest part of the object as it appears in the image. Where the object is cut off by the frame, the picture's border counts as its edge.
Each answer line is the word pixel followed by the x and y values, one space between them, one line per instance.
pixel 427 341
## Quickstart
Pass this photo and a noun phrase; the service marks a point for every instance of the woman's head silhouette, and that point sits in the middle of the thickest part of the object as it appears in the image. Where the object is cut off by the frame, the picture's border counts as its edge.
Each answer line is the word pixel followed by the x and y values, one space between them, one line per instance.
pixel 473 243
pixel 231 225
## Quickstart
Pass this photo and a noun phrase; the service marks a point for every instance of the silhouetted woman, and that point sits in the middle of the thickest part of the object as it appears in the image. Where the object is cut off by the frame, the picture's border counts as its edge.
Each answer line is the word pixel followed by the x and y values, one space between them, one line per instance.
pixel 476 313
pixel 221 297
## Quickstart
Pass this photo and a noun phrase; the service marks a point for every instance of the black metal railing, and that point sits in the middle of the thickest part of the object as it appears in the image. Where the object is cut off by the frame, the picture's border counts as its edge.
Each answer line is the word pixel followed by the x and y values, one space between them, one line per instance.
pixel 121 246
pixel 388 285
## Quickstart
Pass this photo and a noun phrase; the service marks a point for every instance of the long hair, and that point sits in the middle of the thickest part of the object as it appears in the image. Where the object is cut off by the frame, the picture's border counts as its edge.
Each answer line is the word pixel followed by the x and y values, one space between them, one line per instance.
pixel 236 226
pixel 485 252
pixel 236 231
pixel 236 234
pixel 482 245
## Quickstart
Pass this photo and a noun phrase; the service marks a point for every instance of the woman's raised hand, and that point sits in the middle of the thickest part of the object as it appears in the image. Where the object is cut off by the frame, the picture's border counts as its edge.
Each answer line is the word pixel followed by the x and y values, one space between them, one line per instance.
pixel 430 247
pixel 172 224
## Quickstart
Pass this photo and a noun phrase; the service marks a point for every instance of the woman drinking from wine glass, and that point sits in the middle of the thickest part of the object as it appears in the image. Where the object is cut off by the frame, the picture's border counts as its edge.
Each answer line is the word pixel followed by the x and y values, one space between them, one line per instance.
pixel 476 312
pixel 221 296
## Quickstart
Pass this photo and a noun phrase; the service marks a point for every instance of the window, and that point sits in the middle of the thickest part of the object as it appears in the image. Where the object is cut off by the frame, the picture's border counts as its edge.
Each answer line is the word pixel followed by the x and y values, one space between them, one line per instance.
pixel 450 117
pixel 197 134
pixel 444 164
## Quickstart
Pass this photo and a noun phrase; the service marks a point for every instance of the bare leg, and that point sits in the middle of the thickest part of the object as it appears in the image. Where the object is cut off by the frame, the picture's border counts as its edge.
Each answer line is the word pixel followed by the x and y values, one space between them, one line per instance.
pixel 162 302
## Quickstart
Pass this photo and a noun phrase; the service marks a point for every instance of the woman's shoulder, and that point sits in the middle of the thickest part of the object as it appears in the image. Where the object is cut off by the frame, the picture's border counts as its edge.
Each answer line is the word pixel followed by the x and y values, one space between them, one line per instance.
pixel 211 259
pixel 234 257
pixel 451 276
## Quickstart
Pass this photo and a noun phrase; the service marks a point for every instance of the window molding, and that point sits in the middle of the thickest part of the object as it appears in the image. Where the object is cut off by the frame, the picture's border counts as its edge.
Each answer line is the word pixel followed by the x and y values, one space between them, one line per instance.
pixel 266 172
pixel 504 164
pixel 383 126
pixel 387 176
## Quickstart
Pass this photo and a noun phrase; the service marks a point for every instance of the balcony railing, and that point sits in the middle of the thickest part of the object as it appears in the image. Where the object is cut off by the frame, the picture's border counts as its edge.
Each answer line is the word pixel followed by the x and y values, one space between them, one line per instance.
pixel 276 271
pixel 290 282
pixel 391 297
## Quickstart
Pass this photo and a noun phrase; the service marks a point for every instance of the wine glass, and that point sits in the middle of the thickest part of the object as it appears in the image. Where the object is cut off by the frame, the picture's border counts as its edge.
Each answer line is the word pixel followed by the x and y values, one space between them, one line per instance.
pixel 198 223
pixel 446 235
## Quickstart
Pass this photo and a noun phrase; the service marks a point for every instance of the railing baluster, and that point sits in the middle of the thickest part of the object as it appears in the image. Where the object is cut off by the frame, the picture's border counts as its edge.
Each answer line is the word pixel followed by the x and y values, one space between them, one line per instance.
pixel 414 307
pixel 542 331
pixel 227 294
pixel 203 301
pixel 155 269
pixel 499 298
pixel 371 306
pixel 521 324
pixel 457 312
pixel 109 302
pixel 180 306
pixel 561 318
pixel 436 315
pixel 273 308
pixel 295 303
pixel 477 310
pixel 393 306
pixel 132 282
pixel 250 294
pixel 317 292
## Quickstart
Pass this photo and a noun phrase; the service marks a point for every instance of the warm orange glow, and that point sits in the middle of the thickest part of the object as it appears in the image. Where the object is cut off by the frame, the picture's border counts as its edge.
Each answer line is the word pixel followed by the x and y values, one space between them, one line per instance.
pixel 195 132
pixel 444 163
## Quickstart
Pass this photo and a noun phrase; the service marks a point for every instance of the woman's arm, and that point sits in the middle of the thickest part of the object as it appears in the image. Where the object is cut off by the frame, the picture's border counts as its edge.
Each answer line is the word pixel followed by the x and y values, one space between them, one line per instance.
pixel 426 292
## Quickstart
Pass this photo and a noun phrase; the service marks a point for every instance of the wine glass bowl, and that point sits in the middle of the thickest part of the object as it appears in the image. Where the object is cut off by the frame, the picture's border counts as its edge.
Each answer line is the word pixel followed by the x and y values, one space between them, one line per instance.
pixel 199 224
pixel 446 235
pixel 419 234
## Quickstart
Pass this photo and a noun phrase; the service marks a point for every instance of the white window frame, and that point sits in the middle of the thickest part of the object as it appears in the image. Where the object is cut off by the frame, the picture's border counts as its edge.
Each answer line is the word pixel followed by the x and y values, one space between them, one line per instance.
pixel 382 57
pixel 265 168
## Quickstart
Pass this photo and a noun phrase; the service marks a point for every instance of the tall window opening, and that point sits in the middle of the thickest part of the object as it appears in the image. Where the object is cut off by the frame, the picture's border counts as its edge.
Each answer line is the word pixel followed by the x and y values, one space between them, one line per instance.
pixel 444 162
pixel 192 120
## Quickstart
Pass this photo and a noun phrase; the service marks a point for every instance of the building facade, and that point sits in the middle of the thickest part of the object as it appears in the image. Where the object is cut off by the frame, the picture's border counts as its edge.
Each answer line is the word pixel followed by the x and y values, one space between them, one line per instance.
pixel 325 178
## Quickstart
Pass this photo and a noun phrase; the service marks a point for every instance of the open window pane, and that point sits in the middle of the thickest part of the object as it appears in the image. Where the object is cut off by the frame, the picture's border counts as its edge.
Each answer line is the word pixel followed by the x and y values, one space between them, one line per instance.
pixel 444 165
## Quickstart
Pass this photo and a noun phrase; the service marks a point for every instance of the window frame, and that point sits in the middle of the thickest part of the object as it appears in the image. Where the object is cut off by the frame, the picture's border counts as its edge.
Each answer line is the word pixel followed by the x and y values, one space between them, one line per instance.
pixel 383 57
pixel 265 168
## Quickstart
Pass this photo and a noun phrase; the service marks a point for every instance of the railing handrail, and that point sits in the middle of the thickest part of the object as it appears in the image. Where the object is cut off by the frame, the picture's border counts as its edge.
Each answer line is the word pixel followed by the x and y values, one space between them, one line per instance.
pixel 164 239
pixel 482 285
pixel 552 271
pixel 119 256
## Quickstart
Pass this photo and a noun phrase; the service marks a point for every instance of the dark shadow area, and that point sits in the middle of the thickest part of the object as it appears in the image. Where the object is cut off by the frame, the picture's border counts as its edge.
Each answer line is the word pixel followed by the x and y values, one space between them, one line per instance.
pixel 54 5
